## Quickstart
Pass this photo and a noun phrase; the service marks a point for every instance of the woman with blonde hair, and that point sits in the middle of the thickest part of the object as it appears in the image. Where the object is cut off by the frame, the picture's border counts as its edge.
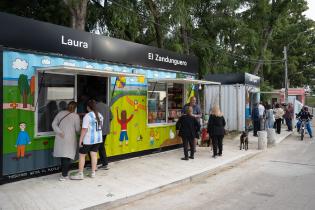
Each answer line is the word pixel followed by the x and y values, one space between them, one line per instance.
pixel 66 125
pixel 216 124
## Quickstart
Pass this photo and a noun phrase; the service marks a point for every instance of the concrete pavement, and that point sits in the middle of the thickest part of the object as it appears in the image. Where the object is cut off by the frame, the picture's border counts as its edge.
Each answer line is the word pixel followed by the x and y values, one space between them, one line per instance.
pixel 127 180
pixel 282 178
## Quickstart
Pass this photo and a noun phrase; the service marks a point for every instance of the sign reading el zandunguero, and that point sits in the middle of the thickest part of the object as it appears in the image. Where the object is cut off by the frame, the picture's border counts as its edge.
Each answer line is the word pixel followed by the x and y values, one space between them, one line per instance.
pixel 23 33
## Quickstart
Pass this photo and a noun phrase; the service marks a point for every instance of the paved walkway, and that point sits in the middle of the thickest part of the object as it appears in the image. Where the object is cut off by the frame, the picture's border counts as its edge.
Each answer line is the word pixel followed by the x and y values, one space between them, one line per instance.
pixel 125 181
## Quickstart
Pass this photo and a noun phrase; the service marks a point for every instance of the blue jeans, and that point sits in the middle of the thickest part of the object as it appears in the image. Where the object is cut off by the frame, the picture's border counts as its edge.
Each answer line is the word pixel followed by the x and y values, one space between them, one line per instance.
pixel 288 121
pixel 308 127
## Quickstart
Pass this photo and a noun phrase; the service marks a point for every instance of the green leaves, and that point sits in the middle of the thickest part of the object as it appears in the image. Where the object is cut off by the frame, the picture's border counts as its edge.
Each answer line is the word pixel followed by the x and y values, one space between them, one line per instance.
pixel 226 35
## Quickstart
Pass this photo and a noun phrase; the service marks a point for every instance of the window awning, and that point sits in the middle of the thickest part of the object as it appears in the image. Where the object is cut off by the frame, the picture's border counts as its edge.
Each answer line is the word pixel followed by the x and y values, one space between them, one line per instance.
pixel 86 71
pixel 185 81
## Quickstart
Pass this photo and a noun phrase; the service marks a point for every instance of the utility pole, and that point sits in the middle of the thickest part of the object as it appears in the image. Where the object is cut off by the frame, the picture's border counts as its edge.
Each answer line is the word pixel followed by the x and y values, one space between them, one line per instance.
pixel 286 88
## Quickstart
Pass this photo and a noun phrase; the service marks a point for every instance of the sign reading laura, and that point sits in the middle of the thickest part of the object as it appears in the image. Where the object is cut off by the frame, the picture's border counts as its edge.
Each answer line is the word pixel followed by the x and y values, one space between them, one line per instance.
pixel 74 43
pixel 159 58
pixel 49 38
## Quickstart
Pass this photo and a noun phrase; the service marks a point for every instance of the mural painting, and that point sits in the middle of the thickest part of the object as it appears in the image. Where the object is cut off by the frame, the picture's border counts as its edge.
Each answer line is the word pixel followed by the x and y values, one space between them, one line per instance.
pixel 25 150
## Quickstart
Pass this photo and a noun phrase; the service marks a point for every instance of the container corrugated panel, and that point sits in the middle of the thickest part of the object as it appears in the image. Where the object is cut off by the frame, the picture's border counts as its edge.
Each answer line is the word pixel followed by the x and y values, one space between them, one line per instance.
pixel 232 104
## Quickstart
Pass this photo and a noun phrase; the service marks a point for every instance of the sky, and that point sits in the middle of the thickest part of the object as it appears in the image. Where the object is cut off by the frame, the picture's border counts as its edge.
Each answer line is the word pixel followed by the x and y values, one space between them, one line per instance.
pixel 310 13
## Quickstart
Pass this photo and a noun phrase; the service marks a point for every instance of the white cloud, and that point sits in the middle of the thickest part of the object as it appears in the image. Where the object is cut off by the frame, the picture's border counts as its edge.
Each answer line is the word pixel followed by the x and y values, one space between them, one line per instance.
pixel 68 63
pixel 89 66
pixel 108 68
pixel 19 64
pixel 156 75
pixel 46 61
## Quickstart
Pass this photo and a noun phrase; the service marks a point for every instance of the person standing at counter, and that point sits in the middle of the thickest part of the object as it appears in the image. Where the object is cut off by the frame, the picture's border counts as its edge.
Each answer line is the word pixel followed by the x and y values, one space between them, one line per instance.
pixel 66 125
pixel 90 139
pixel 102 108
pixel 196 112
pixel 187 127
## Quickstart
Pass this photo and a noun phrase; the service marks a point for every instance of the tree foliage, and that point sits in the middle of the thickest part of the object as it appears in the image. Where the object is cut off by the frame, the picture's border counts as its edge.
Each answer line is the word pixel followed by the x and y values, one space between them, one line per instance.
pixel 226 35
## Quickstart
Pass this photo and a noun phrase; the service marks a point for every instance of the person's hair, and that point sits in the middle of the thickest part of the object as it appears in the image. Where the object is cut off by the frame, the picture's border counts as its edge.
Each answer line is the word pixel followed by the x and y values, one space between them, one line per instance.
pixel 277 105
pixel 62 105
pixel 71 106
pixel 188 110
pixel 191 98
pixel 92 105
pixel 305 108
pixel 22 123
pixel 268 106
pixel 216 111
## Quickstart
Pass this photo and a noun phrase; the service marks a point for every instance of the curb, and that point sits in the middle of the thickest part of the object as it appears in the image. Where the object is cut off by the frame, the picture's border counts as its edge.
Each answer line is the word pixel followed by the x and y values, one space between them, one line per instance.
pixel 190 179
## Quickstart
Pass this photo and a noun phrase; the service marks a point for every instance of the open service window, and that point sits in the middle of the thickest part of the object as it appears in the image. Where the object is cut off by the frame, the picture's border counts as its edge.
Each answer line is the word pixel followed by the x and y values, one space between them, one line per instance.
pixel 54 92
pixel 157 94
pixel 169 93
pixel 57 86
pixel 165 102
pixel 175 101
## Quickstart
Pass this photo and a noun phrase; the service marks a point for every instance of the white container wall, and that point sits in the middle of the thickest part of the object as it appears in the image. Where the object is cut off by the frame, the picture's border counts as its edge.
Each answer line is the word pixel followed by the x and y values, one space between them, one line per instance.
pixel 232 104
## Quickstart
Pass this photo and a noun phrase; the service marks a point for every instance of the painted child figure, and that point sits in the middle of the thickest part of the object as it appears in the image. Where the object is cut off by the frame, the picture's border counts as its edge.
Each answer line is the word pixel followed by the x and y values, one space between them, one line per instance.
pixel 22 140
pixel 123 121
pixel 136 104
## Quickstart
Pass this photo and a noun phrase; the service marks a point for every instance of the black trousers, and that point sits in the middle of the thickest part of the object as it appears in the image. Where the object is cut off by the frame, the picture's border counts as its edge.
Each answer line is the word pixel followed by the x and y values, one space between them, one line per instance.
pixel 217 143
pixel 65 166
pixel 102 152
pixel 191 143
pixel 256 127
pixel 278 125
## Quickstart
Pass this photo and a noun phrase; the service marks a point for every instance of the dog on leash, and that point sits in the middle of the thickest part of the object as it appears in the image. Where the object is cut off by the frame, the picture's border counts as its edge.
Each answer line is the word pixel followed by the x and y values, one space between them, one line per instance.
pixel 244 140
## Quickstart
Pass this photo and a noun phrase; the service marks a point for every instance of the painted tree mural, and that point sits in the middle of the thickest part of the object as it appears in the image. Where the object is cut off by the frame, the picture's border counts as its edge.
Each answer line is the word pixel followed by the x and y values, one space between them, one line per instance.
pixel 32 88
pixel 24 88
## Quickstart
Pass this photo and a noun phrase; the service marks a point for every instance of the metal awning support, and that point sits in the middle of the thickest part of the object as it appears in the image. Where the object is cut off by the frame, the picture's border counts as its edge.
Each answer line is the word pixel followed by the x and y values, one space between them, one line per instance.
pixel 185 81
pixel 86 71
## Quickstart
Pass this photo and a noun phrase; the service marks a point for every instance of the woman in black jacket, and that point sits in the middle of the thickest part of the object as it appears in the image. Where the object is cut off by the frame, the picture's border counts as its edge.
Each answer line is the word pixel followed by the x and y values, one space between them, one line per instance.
pixel 216 126
pixel 187 127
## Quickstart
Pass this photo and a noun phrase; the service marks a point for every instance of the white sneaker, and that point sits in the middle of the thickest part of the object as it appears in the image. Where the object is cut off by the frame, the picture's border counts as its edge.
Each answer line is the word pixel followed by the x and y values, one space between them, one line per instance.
pixel 77 176
pixel 93 174
pixel 63 178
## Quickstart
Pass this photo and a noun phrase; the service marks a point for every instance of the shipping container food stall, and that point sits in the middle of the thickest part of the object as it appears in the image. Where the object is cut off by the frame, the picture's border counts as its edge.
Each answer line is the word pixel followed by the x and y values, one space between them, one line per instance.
pixel 44 66
pixel 239 92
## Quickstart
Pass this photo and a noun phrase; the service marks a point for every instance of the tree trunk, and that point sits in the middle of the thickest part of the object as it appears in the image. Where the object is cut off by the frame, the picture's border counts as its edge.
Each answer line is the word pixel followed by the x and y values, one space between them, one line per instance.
pixel 77 9
pixel 267 37
pixel 156 16
pixel 24 99
pixel 184 37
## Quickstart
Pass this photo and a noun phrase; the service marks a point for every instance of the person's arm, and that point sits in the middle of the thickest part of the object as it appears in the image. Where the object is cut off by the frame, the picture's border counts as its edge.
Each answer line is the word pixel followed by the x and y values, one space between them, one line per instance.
pixel 119 121
pixel 197 125
pixel 77 123
pixel 56 128
pixel 198 112
pixel 209 124
pixel 84 129
pixel 18 139
pixel 28 139
pixel 130 118
pixel 224 123
pixel 83 132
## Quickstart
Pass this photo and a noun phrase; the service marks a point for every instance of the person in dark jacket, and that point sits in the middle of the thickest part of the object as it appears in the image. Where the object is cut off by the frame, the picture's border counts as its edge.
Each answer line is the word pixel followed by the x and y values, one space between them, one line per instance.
pixel 256 119
pixel 187 127
pixel 216 124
